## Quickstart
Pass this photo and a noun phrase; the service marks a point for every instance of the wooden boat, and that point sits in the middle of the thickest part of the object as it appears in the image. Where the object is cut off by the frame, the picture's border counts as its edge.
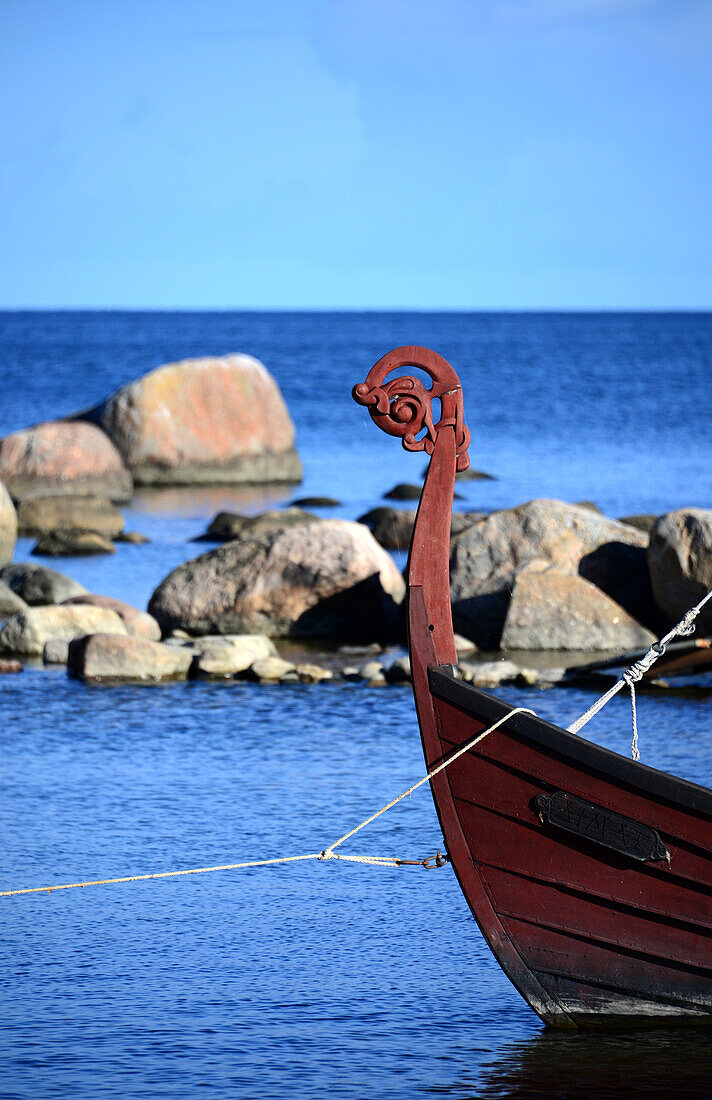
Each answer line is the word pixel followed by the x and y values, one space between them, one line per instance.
pixel 589 875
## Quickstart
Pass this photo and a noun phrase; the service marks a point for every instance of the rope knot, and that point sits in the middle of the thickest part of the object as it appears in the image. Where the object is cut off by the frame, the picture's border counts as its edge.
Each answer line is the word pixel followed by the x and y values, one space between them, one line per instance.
pixel 327 853
pixel 687 623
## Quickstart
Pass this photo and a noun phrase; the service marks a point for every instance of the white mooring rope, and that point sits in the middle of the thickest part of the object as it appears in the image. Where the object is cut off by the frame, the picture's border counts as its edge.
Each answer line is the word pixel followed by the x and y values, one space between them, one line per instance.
pixel 637 670
pixel 325 854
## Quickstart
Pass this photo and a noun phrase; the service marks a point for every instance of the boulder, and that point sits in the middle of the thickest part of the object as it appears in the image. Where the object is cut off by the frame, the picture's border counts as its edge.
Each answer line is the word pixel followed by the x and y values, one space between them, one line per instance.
pixel 108 658
pixel 488 674
pixel 66 544
pixel 327 579
pixel 550 609
pixel 138 624
pixel 38 586
pixel 399 672
pixel 63 456
pixel 8 526
pixel 56 651
pixel 202 421
pixel 368 671
pixel 28 632
pixel 39 515
pixel 313 674
pixel 680 561
pixel 487 556
pixel 227 526
pixel 644 522
pixel 10 602
pixel 135 538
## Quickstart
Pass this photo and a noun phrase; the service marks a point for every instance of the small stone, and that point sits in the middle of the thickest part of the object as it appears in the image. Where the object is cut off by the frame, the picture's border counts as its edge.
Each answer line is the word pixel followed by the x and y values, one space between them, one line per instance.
pixel 370 670
pixel 133 537
pixel 391 527
pixel 399 672
pixel 316 502
pixel 474 475
pixel 180 635
pixel 7 667
pixel 377 682
pixel 270 669
pixel 56 651
pixel 464 645
pixel 42 515
pixel 350 672
pixel 65 544
pixel 313 674
pixel 290 677
pixel 487 674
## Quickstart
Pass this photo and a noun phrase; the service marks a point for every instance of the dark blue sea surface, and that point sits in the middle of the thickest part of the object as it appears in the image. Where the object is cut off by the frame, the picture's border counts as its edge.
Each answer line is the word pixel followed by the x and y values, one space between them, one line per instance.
pixel 313 979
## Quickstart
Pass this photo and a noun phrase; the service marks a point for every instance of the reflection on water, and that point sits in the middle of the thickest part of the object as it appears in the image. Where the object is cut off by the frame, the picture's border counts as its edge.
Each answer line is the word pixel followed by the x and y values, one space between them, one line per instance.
pixel 205 500
pixel 654 1064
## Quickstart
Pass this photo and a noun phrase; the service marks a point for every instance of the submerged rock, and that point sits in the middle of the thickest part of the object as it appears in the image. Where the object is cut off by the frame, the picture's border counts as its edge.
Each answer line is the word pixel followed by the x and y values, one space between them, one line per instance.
pixel 139 624
pixel 270 669
pixel 63 456
pixel 108 658
pixel 327 579
pixel 8 526
pixel 392 528
pixel 38 586
pixel 228 655
pixel 404 491
pixel 28 632
pixel 201 421
pixel 316 502
pixel 486 558
pixel 554 610
pixel 680 560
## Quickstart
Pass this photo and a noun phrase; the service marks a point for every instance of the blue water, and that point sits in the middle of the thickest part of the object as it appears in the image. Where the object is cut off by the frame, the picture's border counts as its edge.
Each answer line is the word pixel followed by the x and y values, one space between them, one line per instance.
pixel 312 980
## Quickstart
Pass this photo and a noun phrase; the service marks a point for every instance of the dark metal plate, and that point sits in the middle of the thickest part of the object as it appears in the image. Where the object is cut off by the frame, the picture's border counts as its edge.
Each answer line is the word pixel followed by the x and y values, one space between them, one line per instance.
pixel 600 826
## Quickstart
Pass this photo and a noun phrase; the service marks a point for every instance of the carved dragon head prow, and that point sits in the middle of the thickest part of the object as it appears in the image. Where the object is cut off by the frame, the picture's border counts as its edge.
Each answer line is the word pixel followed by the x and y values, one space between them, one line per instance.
pixel 403 406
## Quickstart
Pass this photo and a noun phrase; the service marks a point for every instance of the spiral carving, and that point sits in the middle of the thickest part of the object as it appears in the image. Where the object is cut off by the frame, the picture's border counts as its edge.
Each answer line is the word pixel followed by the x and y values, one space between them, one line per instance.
pixel 403 406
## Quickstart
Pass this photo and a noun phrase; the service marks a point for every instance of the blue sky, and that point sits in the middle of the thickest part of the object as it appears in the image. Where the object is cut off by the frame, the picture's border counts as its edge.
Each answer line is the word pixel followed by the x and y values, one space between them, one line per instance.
pixel 356 153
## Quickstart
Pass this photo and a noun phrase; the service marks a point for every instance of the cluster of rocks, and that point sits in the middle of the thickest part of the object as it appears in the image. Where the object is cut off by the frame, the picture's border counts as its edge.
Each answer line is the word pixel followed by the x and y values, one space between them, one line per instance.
pixel 219 420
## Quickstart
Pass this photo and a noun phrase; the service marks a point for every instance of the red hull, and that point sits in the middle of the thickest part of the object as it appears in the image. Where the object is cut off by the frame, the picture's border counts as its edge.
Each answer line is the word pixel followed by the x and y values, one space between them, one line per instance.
pixel 589 933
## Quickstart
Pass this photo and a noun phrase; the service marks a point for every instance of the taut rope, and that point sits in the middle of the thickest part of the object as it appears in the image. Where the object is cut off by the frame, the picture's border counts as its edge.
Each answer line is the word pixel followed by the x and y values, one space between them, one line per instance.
pixel 325 854
pixel 637 670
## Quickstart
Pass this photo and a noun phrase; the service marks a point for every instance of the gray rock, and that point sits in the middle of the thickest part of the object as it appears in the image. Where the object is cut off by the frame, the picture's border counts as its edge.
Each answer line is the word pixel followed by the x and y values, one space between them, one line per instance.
pixel 644 522
pixel 327 579
pixel 313 674
pixel 56 651
pixel 488 674
pixel 10 603
pixel 28 632
pixel 138 623
pixel 8 526
pixel 316 502
pixel 680 561
pixel 108 658
pixel 228 526
pixel 38 586
pixel 368 671
pixel 404 491
pixel 461 521
pixel 391 527
pixel 270 669
pixel 464 645
pixel 220 656
pixel 67 544
pixel 486 558
pixel 555 610
pixel 350 672
pixel 40 515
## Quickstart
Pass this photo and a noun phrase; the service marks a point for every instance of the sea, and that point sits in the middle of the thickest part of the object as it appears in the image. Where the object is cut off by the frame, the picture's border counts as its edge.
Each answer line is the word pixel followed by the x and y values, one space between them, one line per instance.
pixel 313 980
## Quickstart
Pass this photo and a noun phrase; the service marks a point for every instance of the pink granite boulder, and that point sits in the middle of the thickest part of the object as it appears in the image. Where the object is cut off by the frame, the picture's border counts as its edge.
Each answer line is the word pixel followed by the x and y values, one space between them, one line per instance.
pixel 8 526
pixel 63 456
pixel 211 420
pixel 139 624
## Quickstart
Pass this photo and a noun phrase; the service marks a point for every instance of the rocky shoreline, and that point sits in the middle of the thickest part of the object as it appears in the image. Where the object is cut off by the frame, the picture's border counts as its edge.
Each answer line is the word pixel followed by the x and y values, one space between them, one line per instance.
pixel 545 577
